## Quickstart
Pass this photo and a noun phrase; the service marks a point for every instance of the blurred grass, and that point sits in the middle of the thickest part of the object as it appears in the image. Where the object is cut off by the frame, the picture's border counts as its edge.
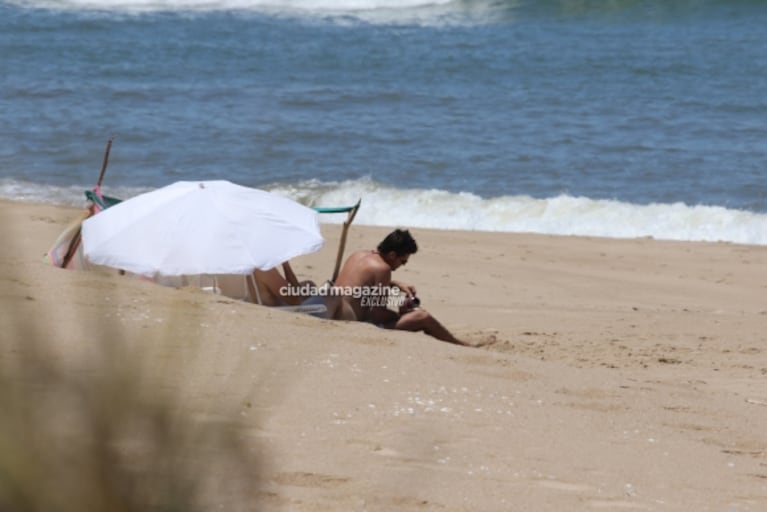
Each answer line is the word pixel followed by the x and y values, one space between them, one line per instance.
pixel 105 436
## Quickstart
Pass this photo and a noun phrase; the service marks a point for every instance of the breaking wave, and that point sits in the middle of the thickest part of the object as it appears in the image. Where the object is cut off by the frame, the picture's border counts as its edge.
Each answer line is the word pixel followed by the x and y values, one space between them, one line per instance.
pixel 384 205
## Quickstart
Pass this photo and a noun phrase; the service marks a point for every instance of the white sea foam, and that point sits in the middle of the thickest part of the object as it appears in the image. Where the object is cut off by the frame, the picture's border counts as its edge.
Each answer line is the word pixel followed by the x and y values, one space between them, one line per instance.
pixel 320 6
pixel 425 12
pixel 563 215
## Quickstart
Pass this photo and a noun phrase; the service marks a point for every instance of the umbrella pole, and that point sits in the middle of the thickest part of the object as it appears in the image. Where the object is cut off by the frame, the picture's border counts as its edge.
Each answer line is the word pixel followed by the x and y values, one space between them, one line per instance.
pixel 255 296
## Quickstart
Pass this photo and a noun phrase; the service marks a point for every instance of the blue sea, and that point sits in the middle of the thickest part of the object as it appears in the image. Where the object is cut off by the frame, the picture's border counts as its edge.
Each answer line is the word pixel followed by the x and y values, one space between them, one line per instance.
pixel 615 118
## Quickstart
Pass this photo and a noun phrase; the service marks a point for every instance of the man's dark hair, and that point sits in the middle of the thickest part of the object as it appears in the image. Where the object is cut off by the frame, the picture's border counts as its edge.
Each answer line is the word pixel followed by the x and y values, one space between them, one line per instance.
pixel 400 241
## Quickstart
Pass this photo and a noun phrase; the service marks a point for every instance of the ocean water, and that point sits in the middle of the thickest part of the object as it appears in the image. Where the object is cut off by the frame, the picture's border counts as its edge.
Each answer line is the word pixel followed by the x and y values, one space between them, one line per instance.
pixel 608 118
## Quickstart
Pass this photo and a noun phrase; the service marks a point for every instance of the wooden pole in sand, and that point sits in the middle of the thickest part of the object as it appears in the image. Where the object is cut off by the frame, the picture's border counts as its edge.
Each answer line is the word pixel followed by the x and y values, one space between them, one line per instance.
pixel 106 161
pixel 342 243
pixel 75 243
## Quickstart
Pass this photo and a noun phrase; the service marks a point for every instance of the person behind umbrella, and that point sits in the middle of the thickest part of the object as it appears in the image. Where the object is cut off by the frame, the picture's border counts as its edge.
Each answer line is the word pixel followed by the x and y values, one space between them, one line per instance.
pixel 276 290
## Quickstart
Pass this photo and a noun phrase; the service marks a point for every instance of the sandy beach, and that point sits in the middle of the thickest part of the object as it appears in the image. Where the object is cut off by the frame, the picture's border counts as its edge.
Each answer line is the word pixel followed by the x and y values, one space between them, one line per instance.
pixel 626 374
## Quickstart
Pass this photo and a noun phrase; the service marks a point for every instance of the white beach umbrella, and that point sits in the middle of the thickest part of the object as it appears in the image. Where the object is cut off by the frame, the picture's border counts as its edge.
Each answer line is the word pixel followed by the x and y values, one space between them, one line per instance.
pixel 209 227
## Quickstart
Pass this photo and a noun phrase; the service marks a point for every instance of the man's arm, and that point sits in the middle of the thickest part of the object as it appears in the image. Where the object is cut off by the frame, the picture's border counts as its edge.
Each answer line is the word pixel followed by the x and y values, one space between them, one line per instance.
pixel 379 311
pixel 409 289
pixel 290 276
pixel 280 287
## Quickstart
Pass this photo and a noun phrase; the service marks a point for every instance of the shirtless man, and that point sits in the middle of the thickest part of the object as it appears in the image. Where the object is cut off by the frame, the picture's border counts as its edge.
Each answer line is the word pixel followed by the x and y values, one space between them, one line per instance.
pixel 372 270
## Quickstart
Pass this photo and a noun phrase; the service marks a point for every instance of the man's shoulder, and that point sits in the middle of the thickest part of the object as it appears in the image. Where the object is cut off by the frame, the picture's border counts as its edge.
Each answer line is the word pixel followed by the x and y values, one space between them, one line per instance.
pixel 371 260
pixel 361 253
pixel 364 257
pixel 362 267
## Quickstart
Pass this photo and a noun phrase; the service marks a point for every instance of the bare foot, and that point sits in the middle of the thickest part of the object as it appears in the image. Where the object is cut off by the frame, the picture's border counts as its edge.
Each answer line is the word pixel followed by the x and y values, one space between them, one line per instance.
pixel 481 339
pixel 486 341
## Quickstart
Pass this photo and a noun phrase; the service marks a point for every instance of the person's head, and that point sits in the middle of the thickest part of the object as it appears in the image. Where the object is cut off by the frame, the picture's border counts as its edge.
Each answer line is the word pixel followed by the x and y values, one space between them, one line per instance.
pixel 397 247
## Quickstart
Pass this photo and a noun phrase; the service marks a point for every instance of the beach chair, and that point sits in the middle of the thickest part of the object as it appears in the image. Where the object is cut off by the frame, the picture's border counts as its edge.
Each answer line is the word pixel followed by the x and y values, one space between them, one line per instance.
pixel 67 251
pixel 351 212
pixel 103 202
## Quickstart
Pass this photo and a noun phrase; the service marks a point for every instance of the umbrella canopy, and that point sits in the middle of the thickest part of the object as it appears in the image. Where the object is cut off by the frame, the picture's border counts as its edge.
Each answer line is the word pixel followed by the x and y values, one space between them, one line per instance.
pixel 210 227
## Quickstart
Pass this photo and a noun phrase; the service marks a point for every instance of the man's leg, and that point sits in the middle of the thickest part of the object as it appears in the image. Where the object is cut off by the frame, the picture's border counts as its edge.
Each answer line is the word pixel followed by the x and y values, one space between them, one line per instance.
pixel 343 310
pixel 421 320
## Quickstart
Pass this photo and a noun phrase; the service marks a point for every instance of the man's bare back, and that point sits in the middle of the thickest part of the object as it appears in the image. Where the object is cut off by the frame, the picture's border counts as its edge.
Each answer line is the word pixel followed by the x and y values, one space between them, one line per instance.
pixel 364 269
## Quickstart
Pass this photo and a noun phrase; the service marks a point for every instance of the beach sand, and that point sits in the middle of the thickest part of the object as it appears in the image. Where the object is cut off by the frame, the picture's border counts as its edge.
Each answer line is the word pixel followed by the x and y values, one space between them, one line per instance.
pixel 626 375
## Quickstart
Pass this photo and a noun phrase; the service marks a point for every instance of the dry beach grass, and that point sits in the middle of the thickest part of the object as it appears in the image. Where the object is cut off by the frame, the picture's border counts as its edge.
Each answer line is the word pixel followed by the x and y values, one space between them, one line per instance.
pixel 627 374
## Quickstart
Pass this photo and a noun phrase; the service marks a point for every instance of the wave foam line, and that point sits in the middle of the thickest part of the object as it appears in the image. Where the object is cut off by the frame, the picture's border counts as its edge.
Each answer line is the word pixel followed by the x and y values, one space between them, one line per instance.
pixel 419 208
pixel 419 12
pixel 307 6
pixel 562 215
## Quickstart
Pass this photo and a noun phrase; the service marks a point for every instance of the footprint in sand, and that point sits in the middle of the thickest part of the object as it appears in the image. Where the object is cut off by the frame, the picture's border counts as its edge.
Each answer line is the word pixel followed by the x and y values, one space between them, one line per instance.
pixel 483 338
pixel 615 504
pixel 564 486
pixel 306 479
pixel 386 452
pixel 595 503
